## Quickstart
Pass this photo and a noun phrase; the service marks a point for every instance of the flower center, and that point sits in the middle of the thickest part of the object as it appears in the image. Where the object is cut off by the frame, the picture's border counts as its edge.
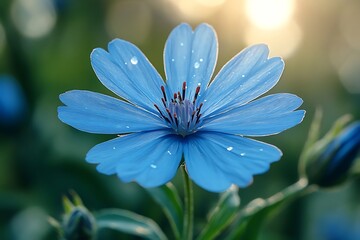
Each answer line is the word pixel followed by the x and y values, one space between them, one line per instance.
pixel 182 114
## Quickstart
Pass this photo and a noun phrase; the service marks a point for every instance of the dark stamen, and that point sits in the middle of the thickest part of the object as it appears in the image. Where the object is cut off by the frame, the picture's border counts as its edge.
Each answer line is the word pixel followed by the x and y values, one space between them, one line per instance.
pixel 180 98
pixel 199 109
pixel 198 118
pixel 163 101
pixel 163 91
pixel 196 94
pixel 162 115
pixel 176 120
pixel 169 113
pixel 192 115
pixel 183 90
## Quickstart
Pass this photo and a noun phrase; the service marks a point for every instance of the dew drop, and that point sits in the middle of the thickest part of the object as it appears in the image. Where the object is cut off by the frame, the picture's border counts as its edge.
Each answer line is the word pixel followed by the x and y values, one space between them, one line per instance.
pixel 127 126
pixel 201 60
pixel 169 152
pixel 173 60
pixel 243 75
pixel 125 63
pixel 192 51
pixel 229 148
pixel 181 44
pixel 261 149
pixel 134 60
pixel 153 166
pixel 196 65
pixel 242 154
pixel 114 148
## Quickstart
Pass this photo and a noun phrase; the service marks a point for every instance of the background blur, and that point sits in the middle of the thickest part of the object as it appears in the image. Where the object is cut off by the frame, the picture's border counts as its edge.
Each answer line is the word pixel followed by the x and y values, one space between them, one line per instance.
pixel 44 51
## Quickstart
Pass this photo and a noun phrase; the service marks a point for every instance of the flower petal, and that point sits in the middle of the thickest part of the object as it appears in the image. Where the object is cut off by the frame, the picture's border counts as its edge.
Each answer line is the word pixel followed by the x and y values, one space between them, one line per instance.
pixel 97 113
pixel 244 78
pixel 216 160
pixel 190 56
pixel 149 158
pixel 268 115
pixel 128 73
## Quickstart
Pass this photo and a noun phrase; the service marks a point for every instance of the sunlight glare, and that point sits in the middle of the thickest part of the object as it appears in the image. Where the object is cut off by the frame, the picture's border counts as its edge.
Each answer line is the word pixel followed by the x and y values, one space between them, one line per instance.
pixel 269 14
pixel 282 41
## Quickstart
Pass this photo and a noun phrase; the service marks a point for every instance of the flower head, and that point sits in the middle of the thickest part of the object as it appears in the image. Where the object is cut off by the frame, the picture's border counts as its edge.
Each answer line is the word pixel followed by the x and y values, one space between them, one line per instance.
pixel 187 117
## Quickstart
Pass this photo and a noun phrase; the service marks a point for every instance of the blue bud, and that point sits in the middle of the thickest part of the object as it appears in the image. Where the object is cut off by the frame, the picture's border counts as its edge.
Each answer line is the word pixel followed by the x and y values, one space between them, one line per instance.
pixel 79 224
pixel 330 160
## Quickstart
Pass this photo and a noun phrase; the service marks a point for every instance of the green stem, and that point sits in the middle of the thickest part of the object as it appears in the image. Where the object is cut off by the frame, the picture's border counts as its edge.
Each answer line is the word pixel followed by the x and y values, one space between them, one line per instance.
pixel 256 211
pixel 189 206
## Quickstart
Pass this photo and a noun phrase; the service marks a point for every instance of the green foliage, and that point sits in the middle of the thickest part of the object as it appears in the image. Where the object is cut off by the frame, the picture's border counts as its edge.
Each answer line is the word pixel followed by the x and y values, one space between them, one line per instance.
pixel 222 215
pixel 168 199
pixel 128 222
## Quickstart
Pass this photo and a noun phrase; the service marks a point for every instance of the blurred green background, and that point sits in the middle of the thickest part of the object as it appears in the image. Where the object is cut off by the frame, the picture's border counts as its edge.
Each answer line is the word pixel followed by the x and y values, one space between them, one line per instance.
pixel 45 47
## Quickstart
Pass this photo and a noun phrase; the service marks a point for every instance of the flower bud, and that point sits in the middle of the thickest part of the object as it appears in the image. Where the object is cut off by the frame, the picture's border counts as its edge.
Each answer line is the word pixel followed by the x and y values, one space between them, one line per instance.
pixel 79 224
pixel 329 160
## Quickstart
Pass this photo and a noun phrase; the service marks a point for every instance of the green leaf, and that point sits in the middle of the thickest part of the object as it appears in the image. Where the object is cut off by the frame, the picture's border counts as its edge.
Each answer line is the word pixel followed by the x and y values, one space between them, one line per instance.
pixel 129 222
pixel 168 198
pixel 222 215
pixel 249 221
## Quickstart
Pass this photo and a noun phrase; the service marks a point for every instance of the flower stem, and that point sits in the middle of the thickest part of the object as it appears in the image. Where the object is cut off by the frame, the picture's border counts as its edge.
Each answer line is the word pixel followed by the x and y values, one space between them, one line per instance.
pixel 189 206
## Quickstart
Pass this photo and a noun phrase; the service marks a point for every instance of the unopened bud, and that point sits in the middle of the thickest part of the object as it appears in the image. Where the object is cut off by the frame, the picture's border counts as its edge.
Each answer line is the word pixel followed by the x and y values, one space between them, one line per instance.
pixel 328 161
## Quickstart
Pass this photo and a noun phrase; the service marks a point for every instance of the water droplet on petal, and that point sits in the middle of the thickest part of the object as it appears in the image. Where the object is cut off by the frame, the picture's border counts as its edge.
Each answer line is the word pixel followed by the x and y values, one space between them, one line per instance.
pixel 243 75
pixel 181 44
pixel 173 60
pixel 242 154
pixel 114 148
pixel 153 166
pixel 201 59
pixel 229 148
pixel 261 149
pixel 169 152
pixel 196 65
pixel 127 126
pixel 192 51
pixel 134 60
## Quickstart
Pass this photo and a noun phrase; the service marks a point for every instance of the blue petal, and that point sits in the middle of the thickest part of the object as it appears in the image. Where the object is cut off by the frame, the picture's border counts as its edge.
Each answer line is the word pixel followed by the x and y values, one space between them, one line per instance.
pixel 244 78
pixel 128 73
pixel 216 160
pixel 191 57
pixel 268 115
pixel 97 113
pixel 149 158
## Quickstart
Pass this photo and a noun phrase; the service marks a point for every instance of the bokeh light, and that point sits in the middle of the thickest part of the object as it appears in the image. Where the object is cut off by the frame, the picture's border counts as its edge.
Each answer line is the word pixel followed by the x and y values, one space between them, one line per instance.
pixel 34 18
pixel 349 24
pixel 131 20
pixel 198 9
pixel 282 41
pixel 349 73
pixel 269 14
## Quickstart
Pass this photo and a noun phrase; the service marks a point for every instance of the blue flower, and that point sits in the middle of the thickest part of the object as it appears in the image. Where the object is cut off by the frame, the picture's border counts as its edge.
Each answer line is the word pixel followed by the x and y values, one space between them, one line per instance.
pixel 187 117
